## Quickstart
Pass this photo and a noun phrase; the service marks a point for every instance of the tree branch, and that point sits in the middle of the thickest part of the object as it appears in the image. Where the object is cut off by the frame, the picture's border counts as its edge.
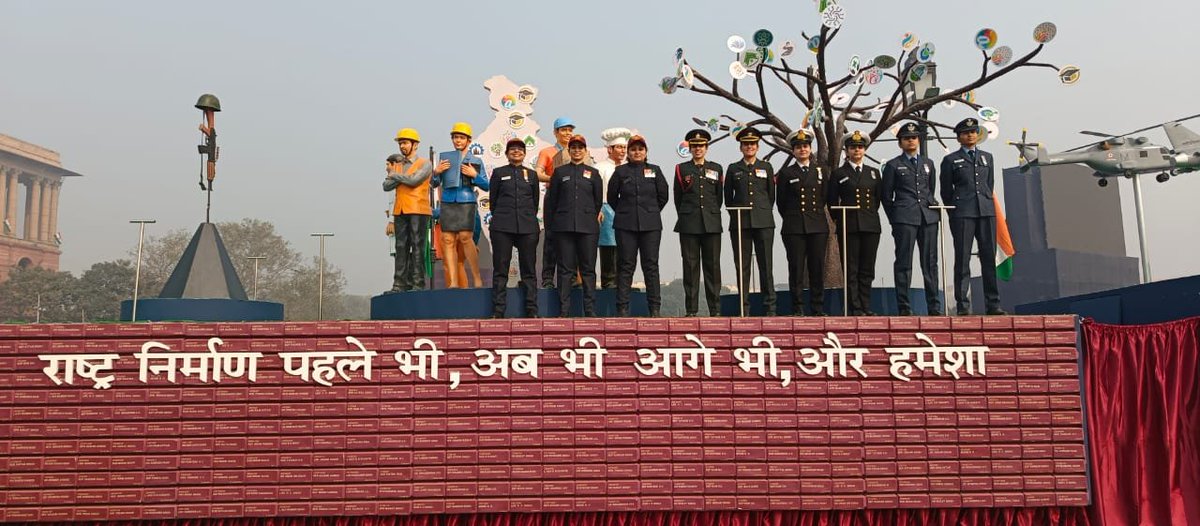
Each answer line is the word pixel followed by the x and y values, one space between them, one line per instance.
pixel 841 125
pixel 791 85
pixel 1042 65
pixel 787 69
pixel 923 105
pixel 822 88
pixel 762 94
pixel 733 97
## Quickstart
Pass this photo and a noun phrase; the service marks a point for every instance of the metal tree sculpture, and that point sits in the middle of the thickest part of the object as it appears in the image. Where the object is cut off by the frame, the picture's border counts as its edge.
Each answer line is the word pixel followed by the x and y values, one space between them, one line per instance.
pixel 911 99
pixel 831 103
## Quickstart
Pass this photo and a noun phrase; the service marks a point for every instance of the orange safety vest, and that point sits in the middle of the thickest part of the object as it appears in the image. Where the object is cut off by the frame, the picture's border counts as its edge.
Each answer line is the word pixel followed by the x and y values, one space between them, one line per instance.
pixel 413 200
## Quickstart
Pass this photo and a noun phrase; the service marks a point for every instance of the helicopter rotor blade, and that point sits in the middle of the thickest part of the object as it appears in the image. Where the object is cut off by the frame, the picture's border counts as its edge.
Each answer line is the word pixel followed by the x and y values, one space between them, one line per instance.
pixel 1153 126
pixel 1077 148
pixel 1147 128
pixel 1188 118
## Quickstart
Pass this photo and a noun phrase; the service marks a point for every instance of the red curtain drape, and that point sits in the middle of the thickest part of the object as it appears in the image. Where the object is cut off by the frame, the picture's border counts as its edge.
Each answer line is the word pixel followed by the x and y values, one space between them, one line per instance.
pixel 936 517
pixel 1143 417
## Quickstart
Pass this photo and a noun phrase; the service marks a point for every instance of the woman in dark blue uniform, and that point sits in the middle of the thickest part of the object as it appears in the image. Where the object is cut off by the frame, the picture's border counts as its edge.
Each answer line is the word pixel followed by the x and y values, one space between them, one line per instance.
pixel 514 203
pixel 801 189
pixel 858 185
pixel 638 192
pixel 573 213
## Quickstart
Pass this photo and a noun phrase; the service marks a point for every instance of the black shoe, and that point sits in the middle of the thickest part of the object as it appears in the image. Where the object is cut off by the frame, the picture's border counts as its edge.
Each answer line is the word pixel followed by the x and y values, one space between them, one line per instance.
pixel 934 313
pixel 655 314
pixel 996 312
pixel 497 315
pixel 868 313
pixel 818 313
pixel 564 314
pixel 622 313
pixel 547 285
pixel 962 311
pixel 857 313
pixel 531 314
pixel 905 312
pixel 589 313
pixel 690 315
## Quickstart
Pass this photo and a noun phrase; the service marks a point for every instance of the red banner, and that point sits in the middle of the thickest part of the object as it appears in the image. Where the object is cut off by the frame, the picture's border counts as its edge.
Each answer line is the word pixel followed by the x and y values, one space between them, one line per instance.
pixel 157 421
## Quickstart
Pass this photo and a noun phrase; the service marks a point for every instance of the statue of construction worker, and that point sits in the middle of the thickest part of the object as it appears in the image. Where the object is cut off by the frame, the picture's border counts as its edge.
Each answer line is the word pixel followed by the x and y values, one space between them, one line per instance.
pixel 408 175
pixel 459 173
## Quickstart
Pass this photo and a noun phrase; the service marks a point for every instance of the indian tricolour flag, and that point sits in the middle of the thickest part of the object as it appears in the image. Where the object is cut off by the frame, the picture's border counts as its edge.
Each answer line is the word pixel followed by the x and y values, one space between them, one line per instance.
pixel 1004 244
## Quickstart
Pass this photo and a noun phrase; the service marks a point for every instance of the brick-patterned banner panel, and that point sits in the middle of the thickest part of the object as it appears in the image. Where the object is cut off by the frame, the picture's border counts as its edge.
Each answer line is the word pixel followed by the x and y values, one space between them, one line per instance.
pixel 158 421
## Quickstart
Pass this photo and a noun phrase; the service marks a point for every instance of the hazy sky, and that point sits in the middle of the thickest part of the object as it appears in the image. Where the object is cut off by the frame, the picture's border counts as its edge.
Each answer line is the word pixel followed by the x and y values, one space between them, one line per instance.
pixel 313 95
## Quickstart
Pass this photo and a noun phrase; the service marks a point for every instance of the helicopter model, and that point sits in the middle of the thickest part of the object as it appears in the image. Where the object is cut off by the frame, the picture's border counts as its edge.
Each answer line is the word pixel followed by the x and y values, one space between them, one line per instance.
pixel 1124 155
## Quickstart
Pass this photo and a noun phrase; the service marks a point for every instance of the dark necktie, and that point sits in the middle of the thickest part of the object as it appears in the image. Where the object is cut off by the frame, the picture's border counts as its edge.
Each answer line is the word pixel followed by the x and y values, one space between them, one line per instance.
pixel 858 170
pixel 971 153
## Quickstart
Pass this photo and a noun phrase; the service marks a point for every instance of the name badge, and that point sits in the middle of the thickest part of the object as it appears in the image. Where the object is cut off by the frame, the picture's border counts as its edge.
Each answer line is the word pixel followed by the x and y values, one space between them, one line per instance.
pixel 567 178
pixel 505 178
pixel 844 179
pixel 794 180
pixel 761 174
pixel 711 174
pixel 647 173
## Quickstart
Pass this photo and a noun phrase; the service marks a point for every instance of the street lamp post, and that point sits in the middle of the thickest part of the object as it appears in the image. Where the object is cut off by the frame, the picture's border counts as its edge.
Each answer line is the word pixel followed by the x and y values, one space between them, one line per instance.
pixel 321 275
pixel 137 273
pixel 255 259
pixel 1141 226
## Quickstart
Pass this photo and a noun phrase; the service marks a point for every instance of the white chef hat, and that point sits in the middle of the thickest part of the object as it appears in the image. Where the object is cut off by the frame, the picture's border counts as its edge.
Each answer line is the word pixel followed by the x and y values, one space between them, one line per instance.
pixel 616 136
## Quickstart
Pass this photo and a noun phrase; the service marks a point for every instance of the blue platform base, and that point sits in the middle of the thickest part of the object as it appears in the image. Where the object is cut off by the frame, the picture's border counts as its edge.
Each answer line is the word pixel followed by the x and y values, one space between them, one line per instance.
pixel 1172 299
pixel 208 309
pixel 444 304
pixel 883 301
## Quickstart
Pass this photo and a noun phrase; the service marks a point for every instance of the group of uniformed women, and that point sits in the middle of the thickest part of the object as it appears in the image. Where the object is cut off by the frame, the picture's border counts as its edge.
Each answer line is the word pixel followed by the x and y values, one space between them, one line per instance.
pixel 749 190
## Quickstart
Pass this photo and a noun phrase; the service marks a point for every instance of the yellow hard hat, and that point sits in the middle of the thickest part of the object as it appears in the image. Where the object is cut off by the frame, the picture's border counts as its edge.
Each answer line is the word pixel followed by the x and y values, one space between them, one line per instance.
pixel 408 133
pixel 463 128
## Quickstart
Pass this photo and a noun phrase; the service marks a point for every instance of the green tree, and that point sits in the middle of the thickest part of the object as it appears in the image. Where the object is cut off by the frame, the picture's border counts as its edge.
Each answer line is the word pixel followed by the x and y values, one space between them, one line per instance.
pixel 102 287
pixel 285 276
pixel 672 298
pixel 674 303
pixel 30 290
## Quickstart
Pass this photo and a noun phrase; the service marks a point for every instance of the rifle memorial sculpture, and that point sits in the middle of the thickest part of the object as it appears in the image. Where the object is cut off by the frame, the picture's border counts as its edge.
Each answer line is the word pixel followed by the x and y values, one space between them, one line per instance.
pixel 204 286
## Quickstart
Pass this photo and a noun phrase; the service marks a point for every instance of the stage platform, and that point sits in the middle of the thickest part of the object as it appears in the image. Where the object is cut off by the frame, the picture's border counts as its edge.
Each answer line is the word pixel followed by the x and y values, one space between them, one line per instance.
pixel 443 304
pixel 477 304
pixel 202 309
pixel 335 419
pixel 883 302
